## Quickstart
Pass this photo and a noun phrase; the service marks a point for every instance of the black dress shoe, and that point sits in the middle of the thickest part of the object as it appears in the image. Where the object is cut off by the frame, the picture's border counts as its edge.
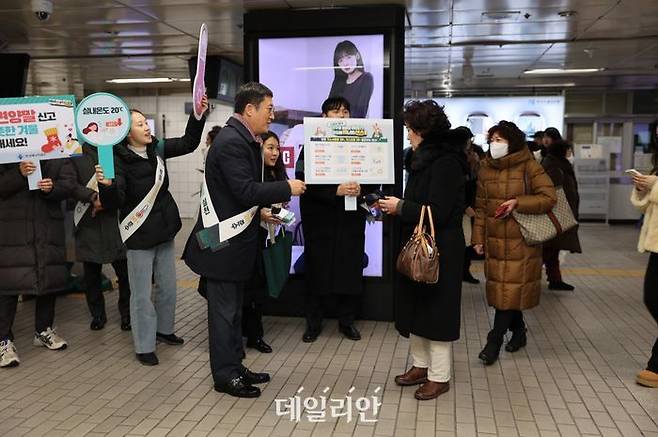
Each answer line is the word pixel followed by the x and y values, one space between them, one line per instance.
pixel 251 378
pixel 310 336
pixel 260 346
pixel 125 323
pixel 350 332
pixel 519 339
pixel 562 286
pixel 171 339
pixel 237 388
pixel 149 359
pixel 97 323
pixel 470 278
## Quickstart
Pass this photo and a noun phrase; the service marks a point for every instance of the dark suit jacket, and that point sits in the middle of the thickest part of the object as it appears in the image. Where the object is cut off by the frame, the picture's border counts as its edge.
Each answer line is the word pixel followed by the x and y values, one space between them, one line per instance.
pixel 234 177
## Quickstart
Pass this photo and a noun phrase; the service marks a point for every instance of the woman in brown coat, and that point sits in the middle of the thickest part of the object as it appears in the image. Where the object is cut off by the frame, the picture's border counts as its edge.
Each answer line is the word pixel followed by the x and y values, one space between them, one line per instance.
pixel 512 268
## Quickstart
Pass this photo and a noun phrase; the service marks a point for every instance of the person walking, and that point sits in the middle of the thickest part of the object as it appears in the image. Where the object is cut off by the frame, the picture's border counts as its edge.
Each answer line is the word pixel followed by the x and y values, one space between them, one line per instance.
pixel 510 179
pixel 559 168
pixel 645 198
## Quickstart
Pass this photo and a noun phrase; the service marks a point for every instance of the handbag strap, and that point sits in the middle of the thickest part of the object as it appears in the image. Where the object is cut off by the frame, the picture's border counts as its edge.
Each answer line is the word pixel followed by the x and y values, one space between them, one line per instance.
pixel 419 226
pixel 429 214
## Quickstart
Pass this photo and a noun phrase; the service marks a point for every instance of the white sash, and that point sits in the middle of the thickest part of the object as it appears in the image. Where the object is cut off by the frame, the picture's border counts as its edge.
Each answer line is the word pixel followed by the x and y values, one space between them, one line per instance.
pixel 138 216
pixel 232 226
pixel 81 208
pixel 228 228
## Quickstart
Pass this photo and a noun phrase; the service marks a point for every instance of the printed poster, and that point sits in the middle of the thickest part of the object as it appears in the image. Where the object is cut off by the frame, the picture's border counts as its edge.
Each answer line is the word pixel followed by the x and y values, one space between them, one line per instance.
pixel 338 150
pixel 37 128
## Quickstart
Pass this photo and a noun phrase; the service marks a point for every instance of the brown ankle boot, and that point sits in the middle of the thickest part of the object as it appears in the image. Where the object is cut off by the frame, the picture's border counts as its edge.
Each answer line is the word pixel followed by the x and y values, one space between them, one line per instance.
pixel 431 390
pixel 413 376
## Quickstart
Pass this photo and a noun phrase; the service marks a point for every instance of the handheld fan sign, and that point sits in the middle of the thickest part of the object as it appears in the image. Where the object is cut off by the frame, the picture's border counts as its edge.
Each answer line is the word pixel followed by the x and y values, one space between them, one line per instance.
pixel 199 88
pixel 103 120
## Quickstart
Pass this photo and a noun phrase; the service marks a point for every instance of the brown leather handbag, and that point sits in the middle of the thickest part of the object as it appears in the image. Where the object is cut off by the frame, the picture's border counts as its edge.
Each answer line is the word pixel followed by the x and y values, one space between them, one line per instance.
pixel 419 258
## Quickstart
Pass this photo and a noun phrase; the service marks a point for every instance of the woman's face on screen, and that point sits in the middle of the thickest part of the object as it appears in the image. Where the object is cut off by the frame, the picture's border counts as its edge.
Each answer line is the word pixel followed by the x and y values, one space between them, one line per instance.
pixel 347 63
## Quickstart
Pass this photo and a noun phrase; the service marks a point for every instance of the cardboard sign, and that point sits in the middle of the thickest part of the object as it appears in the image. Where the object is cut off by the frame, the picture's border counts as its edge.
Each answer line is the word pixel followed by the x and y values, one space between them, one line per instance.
pixel 103 120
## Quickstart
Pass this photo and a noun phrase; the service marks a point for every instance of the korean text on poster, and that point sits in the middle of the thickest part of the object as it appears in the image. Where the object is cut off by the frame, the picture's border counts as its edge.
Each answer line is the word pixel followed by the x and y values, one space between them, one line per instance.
pixel 37 128
pixel 339 150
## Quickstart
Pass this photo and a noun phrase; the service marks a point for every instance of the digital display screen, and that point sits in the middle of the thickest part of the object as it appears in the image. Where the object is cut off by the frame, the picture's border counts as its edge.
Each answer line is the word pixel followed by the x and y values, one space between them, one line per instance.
pixel 304 71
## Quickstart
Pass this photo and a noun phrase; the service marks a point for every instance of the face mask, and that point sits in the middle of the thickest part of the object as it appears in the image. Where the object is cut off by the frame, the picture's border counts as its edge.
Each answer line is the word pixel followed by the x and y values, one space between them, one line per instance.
pixel 498 150
pixel 571 159
pixel 537 154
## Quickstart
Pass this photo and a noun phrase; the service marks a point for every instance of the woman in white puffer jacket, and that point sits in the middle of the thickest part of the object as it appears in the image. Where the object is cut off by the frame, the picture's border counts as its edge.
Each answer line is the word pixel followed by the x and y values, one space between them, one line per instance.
pixel 645 198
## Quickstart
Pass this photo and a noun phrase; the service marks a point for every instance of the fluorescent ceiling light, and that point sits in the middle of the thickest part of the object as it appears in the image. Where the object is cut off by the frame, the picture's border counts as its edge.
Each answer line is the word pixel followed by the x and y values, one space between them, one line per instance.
pixel 546 85
pixel 562 70
pixel 147 80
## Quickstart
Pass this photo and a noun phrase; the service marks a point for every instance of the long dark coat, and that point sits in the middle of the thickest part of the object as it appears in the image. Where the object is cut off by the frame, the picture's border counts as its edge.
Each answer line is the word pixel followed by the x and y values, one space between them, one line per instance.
pixel 234 177
pixel 32 242
pixel 334 242
pixel 97 239
pixel 437 178
pixel 561 173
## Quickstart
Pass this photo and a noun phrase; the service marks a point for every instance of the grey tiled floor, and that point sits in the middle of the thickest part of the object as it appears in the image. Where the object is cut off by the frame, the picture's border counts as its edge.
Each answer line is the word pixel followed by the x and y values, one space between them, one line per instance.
pixel 576 376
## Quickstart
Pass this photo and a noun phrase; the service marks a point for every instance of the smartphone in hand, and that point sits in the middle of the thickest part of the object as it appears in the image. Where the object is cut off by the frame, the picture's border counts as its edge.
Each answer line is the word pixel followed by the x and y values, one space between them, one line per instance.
pixel 633 172
pixel 501 212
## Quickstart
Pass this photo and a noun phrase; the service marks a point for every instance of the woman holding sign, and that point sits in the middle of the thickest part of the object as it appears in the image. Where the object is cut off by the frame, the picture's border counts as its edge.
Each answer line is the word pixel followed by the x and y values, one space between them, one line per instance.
pixel 32 249
pixel 149 222
pixel 98 242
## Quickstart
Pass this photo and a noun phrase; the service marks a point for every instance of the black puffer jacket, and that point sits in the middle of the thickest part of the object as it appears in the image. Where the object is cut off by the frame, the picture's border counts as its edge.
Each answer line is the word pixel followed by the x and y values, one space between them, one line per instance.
pixel 97 238
pixel 32 245
pixel 135 176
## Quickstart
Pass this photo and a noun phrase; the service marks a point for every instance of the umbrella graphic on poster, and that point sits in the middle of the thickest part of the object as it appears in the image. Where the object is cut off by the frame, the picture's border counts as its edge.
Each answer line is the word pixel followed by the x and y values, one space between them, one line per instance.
pixel 199 87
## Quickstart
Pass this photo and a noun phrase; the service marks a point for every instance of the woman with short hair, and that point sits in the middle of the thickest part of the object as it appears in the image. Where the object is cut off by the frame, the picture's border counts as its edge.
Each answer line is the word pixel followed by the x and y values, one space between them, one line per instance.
pixel 509 180
pixel 429 314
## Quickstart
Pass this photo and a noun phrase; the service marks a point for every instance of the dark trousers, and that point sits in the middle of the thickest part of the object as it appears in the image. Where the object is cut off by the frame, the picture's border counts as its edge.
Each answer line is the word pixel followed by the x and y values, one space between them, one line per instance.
pixel 225 329
pixel 651 301
pixel 505 320
pixel 44 314
pixel 93 290
pixel 252 321
pixel 468 258
pixel 552 263
pixel 346 307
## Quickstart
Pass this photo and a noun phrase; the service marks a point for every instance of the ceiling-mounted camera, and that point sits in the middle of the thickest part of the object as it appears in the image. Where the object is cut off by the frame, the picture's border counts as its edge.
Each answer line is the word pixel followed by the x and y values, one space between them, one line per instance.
pixel 42 9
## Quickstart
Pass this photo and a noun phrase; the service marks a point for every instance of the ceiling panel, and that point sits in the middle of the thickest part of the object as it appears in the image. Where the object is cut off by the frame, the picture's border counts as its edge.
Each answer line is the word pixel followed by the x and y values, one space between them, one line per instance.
pixel 87 42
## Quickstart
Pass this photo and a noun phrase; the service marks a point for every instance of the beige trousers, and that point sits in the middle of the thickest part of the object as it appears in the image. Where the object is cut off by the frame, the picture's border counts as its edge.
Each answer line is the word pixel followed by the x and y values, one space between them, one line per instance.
pixel 435 356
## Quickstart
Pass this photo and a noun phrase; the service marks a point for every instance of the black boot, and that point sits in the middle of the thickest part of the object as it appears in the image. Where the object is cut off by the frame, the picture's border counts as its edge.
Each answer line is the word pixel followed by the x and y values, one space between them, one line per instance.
pixel 519 339
pixel 489 354
pixel 469 278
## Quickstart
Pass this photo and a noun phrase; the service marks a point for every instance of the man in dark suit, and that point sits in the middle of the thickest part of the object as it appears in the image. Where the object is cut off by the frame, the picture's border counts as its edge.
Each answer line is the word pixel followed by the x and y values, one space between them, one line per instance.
pixel 234 178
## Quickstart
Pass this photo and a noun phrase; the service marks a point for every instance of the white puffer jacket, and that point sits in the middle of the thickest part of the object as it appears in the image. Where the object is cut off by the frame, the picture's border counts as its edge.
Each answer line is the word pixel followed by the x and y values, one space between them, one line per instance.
pixel 648 204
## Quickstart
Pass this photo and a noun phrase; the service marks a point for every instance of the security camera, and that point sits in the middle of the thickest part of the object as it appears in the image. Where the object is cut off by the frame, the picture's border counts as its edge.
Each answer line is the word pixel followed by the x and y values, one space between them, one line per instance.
pixel 42 9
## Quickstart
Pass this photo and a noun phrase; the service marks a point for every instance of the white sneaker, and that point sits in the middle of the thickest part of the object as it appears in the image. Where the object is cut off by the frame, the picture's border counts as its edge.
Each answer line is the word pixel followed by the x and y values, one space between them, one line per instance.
pixel 8 355
pixel 50 339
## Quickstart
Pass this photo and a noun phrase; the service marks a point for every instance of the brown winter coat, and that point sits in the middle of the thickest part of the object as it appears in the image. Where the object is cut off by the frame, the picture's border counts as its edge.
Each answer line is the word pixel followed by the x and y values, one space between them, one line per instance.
pixel 512 268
